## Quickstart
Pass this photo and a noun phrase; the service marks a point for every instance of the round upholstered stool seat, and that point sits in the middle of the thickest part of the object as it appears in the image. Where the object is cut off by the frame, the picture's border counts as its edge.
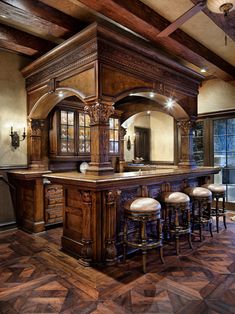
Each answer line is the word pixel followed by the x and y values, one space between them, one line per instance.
pixel 201 199
pixel 175 197
pixel 142 205
pixel 215 188
pixel 218 192
pixel 143 210
pixel 176 217
pixel 198 192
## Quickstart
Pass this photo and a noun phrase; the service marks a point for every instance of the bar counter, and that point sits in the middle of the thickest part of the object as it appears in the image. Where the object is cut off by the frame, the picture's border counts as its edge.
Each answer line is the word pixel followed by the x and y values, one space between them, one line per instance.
pixel 93 206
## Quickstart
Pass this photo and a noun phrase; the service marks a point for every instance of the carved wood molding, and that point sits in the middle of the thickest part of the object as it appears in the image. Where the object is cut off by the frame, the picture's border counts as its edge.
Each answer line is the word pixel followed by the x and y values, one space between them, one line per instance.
pixel 99 112
pixel 36 126
pixel 186 126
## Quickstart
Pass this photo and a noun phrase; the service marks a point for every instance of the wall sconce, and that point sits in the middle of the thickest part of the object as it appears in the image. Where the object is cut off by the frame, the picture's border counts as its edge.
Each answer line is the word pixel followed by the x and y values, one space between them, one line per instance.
pixel 15 138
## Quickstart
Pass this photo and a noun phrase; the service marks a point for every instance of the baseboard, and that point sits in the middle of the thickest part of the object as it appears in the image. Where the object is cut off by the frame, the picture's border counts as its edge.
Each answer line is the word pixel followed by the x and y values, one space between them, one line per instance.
pixel 8 226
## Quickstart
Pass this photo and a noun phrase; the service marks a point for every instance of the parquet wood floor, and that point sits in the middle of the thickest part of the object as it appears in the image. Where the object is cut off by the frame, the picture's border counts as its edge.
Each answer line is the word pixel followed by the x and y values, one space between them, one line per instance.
pixel 36 277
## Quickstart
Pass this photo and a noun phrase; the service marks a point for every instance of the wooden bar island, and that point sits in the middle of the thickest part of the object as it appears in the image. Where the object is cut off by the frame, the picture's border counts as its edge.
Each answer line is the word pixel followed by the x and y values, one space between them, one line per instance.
pixel 93 206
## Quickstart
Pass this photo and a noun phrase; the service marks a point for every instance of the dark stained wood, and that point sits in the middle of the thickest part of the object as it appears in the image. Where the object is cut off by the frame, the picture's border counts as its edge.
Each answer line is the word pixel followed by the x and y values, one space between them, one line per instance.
pixel 227 24
pixel 43 19
pixel 142 143
pixel 22 42
pixel 182 19
pixel 141 19
pixel 36 277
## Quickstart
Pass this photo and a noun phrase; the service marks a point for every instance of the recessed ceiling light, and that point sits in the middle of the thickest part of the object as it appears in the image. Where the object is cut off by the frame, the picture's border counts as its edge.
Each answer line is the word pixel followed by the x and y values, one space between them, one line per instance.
pixel 151 95
pixel 3 16
pixel 61 94
pixel 148 112
pixel 169 103
pixel 203 70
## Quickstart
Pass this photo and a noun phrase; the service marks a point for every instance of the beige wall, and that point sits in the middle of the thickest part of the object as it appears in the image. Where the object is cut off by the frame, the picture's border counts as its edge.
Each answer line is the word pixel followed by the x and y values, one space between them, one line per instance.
pixel 12 113
pixel 12 108
pixel 161 135
pixel 216 95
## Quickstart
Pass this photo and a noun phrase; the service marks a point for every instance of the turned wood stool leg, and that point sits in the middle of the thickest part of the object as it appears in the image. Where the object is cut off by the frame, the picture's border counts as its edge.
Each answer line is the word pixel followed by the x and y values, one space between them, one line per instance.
pixel 224 216
pixel 210 221
pixel 188 226
pixel 159 235
pixel 217 213
pixel 200 219
pixel 124 239
pixel 143 242
pixel 177 240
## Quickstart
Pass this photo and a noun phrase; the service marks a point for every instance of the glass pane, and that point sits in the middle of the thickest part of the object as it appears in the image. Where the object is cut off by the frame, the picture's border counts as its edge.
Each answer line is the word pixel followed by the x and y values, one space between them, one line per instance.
pixel 71 146
pixel 64 131
pixel 231 193
pixel 87 133
pixel 111 135
pixel 81 119
pixel 81 134
pixel 231 126
pixel 70 132
pixel 219 127
pixel 64 117
pixel 111 123
pixel 111 147
pixel 63 146
pixel 71 118
pixel 116 147
pixel 88 147
pixel 116 135
pixel 81 147
pixel 231 160
pixel 230 143
pixel 87 120
pixel 220 159
pixel 116 123
pixel 219 143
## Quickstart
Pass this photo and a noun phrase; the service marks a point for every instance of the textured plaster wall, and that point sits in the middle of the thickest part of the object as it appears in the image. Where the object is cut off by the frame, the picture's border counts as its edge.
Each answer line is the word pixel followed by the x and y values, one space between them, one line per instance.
pixel 216 95
pixel 161 135
pixel 12 108
pixel 12 113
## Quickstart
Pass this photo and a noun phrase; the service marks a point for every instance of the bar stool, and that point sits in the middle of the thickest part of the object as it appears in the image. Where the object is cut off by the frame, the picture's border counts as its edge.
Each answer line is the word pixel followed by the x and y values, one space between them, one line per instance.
pixel 143 210
pixel 201 208
pixel 176 217
pixel 218 191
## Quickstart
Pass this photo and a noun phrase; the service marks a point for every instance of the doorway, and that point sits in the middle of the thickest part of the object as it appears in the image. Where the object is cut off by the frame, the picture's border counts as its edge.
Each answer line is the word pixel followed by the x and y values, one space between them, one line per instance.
pixel 142 143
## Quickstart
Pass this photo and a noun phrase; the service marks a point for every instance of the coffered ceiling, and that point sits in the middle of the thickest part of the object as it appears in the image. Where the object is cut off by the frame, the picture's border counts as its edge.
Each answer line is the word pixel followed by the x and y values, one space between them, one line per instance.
pixel 185 29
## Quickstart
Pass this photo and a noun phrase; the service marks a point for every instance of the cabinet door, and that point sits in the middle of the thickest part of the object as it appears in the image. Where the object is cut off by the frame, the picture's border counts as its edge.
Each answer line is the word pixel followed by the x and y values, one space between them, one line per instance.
pixel 54 204
pixel 67 132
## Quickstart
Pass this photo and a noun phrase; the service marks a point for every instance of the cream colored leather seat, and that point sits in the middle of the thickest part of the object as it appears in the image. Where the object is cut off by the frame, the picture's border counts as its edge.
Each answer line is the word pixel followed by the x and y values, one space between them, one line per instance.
pixel 198 192
pixel 215 188
pixel 143 210
pixel 175 197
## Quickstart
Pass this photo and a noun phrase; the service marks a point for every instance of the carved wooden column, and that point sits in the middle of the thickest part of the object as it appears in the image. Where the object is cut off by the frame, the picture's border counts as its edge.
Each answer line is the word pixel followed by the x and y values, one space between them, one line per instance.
pixel 38 144
pixel 110 214
pixel 99 114
pixel 186 143
pixel 122 143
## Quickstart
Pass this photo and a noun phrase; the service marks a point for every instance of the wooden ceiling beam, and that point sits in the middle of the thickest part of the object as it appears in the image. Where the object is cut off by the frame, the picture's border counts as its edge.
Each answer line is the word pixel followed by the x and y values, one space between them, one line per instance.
pixel 146 22
pixel 227 24
pixel 20 42
pixel 182 19
pixel 44 19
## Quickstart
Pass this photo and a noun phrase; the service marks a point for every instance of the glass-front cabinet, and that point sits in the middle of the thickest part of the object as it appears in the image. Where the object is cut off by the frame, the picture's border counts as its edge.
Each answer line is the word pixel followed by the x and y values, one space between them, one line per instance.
pixel 69 134
pixel 198 143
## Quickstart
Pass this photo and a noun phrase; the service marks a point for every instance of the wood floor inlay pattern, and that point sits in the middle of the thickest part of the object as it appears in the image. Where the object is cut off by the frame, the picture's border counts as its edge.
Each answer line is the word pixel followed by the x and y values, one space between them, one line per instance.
pixel 36 277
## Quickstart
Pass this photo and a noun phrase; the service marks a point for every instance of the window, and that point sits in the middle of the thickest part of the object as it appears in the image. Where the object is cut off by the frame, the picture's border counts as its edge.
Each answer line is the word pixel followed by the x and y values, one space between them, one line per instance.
pixel 84 145
pixel 113 136
pixel 224 154
pixel 198 145
pixel 67 132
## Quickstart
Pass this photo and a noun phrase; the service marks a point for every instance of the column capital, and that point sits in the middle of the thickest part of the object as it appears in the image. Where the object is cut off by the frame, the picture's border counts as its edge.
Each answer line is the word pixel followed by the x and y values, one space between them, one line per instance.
pixel 99 112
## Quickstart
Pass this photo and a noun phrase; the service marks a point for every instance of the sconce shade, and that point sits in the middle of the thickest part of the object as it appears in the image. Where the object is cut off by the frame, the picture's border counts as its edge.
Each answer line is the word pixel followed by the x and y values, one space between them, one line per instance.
pixel 221 6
